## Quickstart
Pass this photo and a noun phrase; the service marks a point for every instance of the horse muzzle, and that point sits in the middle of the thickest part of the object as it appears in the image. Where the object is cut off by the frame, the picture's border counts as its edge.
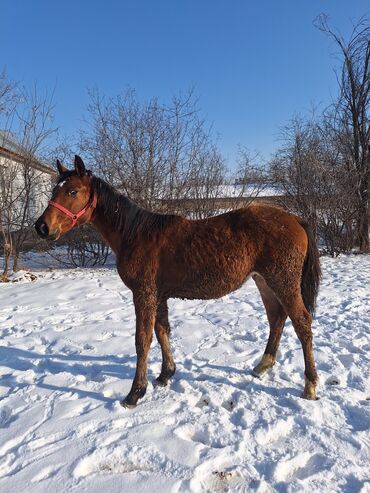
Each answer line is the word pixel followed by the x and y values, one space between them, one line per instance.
pixel 42 229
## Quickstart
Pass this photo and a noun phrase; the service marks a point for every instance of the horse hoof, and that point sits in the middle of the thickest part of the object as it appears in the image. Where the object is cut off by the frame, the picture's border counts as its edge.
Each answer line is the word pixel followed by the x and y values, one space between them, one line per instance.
pixel 263 366
pixel 258 373
pixel 309 397
pixel 126 404
pixel 309 392
pixel 159 383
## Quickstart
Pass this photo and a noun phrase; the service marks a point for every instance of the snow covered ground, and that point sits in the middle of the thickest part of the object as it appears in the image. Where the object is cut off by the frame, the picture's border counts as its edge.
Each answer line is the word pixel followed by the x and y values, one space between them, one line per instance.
pixel 67 356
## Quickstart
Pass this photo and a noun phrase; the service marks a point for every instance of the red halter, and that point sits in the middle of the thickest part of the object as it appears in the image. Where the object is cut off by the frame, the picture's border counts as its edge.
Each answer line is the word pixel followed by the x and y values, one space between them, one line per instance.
pixel 90 205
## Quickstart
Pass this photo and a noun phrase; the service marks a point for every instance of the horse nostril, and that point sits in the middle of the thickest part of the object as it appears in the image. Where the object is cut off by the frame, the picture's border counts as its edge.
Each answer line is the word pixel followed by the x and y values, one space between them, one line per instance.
pixel 42 229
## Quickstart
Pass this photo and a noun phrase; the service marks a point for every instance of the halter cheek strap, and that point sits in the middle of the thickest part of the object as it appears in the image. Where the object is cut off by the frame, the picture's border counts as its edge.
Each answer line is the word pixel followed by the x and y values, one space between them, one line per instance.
pixel 75 217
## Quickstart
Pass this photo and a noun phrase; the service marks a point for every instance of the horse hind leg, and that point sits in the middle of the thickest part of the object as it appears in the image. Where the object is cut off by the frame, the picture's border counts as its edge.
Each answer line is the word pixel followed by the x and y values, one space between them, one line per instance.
pixel 276 317
pixel 291 298
pixel 162 332
pixel 301 320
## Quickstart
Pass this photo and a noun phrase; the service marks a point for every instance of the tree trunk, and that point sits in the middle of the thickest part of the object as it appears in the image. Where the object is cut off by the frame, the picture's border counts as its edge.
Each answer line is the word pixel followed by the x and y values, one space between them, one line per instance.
pixel 363 216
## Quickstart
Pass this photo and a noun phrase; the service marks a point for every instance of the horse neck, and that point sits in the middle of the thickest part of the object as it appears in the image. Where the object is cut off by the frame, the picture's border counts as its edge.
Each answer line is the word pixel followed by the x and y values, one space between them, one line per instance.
pixel 120 221
pixel 105 221
pixel 110 236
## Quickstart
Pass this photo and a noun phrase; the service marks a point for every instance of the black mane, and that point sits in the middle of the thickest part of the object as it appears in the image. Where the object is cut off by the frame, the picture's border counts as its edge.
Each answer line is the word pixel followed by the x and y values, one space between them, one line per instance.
pixel 127 217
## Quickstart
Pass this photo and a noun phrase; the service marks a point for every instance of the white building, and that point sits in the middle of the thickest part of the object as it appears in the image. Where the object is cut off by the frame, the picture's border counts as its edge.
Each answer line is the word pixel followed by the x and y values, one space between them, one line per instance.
pixel 25 184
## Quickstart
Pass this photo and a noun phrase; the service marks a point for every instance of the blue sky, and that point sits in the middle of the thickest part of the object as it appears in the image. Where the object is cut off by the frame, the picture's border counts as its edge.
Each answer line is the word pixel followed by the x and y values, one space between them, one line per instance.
pixel 254 64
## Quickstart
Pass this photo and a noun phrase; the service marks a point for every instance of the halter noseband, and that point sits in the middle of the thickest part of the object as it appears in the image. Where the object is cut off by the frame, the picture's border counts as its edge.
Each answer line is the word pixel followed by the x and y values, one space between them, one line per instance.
pixel 90 205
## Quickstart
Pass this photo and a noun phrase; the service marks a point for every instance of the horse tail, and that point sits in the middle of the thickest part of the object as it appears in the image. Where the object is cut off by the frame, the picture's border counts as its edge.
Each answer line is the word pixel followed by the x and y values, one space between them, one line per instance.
pixel 311 273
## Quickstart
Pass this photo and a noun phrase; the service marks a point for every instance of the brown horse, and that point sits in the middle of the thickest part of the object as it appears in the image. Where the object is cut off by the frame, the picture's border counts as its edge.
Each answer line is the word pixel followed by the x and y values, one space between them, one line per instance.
pixel 167 256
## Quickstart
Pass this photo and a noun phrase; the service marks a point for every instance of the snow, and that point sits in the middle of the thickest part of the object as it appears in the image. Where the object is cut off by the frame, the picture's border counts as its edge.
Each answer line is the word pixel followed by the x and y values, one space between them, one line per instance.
pixel 67 356
pixel 251 190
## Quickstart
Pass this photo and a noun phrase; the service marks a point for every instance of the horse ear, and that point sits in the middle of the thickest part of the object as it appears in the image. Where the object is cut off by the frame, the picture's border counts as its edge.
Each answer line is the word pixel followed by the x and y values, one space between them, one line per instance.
pixel 61 169
pixel 79 166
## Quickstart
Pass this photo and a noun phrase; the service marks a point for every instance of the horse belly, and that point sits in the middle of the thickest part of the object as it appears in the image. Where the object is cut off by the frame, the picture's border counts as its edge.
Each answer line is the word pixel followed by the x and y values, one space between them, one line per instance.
pixel 210 283
pixel 209 263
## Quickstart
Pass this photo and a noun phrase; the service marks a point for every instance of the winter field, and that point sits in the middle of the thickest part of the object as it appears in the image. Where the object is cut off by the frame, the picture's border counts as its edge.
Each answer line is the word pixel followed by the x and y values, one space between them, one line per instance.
pixel 67 356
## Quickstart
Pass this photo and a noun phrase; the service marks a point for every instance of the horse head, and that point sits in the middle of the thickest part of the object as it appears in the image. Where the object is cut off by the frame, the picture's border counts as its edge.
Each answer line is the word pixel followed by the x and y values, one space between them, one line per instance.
pixel 72 203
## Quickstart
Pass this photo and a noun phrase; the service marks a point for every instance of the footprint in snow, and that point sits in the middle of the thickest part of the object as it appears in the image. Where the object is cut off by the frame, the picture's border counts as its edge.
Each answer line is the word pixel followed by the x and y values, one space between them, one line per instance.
pixel 229 404
pixel 46 473
pixel 358 418
pixel 276 433
pixel 332 381
pixel 5 416
pixel 302 466
pixel 211 435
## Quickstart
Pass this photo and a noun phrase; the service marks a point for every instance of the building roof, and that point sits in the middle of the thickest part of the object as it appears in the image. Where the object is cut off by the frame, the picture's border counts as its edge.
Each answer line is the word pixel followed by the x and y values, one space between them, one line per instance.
pixel 10 148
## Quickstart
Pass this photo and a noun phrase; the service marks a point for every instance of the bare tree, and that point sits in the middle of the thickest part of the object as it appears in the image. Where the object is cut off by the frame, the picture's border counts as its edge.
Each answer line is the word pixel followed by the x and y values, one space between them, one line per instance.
pixel 323 164
pixel 251 174
pixel 22 182
pixel 157 154
pixel 313 174
pixel 202 184
pixel 8 96
pixel 8 198
pixel 351 113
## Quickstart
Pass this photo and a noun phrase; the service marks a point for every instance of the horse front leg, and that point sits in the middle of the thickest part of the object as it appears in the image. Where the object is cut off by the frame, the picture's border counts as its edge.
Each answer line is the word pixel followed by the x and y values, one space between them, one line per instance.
pixel 145 309
pixel 162 331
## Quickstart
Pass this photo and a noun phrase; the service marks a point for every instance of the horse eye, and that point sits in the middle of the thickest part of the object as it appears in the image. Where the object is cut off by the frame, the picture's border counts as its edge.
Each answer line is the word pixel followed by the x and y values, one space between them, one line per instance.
pixel 72 193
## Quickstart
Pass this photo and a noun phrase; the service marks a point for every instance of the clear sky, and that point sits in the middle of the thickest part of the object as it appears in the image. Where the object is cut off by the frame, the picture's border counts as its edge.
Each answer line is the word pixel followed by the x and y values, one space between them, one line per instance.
pixel 253 64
